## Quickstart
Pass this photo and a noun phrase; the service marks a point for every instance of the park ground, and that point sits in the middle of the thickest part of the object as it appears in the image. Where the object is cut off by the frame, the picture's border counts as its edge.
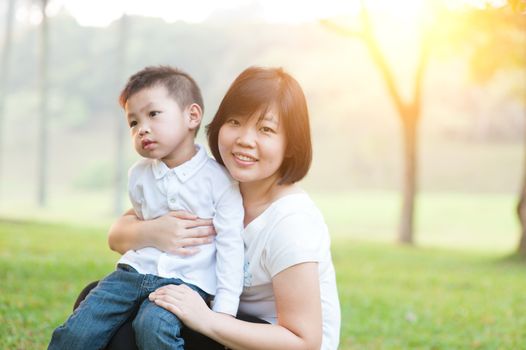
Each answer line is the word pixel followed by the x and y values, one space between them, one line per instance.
pixel 462 289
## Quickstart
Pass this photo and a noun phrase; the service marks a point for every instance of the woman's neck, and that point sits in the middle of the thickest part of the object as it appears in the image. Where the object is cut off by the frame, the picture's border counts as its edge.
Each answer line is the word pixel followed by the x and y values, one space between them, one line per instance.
pixel 258 196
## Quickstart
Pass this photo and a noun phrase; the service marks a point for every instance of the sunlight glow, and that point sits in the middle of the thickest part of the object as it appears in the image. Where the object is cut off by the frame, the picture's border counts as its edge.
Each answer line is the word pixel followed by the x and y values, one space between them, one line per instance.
pixel 101 13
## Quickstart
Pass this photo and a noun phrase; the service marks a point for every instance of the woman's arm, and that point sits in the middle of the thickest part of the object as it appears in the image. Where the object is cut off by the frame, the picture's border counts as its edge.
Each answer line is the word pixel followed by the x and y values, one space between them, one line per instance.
pixel 298 306
pixel 177 232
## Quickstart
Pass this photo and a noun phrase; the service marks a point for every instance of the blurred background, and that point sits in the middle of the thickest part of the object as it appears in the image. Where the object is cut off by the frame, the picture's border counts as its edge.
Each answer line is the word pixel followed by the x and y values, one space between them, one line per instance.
pixel 418 108
pixel 65 148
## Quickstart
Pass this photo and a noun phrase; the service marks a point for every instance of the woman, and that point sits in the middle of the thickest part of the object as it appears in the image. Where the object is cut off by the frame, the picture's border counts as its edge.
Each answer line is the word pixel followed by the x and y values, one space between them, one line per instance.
pixel 261 134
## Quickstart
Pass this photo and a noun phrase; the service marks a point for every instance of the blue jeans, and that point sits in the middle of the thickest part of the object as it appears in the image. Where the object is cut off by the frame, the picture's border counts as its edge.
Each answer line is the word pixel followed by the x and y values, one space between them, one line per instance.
pixel 111 303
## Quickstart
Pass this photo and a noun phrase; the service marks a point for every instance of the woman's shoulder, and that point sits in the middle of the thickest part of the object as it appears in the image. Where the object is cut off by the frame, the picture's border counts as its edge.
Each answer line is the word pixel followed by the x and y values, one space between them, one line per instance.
pixel 295 213
pixel 296 233
pixel 295 206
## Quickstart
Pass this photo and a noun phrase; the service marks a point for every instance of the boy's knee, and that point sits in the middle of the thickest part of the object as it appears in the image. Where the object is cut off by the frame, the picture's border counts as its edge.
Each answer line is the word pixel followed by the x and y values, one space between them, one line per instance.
pixel 69 338
pixel 153 320
pixel 157 328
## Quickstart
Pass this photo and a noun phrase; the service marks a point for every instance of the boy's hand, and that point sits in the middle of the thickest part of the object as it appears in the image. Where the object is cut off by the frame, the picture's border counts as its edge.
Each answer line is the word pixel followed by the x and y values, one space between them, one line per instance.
pixel 183 232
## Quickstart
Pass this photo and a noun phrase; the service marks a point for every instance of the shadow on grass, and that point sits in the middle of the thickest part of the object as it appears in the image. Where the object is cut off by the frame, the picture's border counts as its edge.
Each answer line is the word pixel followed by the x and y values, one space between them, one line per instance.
pixel 514 259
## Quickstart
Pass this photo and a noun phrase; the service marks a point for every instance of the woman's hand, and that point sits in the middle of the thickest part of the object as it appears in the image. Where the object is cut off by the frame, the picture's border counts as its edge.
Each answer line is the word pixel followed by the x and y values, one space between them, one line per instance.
pixel 177 232
pixel 186 304
pixel 181 233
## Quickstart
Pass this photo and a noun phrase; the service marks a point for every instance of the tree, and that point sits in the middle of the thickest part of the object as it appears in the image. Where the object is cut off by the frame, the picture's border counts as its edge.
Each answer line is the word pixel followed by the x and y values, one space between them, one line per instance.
pixel 519 8
pixel 43 106
pixel 4 69
pixel 480 32
pixel 499 30
pixel 409 113
pixel 120 127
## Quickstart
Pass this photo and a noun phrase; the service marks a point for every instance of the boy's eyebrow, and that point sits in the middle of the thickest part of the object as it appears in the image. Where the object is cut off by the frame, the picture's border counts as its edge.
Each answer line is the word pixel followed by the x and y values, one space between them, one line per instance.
pixel 148 105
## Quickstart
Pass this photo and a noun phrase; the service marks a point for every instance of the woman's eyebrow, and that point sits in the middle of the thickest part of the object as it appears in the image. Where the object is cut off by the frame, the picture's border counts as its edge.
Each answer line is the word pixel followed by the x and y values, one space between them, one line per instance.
pixel 269 117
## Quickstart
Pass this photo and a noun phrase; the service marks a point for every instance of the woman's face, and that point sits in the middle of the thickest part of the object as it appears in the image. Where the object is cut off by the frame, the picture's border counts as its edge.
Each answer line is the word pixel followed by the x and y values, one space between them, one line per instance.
pixel 252 147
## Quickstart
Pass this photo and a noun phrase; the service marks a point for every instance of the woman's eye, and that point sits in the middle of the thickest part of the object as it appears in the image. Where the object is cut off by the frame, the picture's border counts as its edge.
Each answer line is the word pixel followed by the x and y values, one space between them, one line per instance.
pixel 133 123
pixel 153 113
pixel 266 129
pixel 233 122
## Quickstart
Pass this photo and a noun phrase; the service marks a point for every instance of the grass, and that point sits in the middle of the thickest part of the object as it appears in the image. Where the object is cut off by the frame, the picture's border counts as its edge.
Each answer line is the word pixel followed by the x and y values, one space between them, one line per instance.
pixel 391 297
pixel 465 221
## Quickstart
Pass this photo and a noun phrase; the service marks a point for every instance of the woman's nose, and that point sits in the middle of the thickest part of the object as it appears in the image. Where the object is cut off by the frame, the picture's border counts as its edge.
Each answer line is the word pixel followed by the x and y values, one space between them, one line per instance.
pixel 246 138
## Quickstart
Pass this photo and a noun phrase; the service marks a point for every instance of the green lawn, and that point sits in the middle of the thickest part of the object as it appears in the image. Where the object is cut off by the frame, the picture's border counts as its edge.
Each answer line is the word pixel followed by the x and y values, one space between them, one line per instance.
pixel 391 297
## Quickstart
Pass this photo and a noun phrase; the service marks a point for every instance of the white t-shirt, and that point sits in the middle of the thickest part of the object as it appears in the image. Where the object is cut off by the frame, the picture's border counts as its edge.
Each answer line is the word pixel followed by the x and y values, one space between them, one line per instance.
pixel 290 231
pixel 203 187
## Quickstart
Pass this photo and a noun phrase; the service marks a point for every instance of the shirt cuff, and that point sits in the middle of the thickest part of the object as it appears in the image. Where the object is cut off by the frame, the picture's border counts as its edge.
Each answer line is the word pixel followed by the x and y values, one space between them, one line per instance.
pixel 226 304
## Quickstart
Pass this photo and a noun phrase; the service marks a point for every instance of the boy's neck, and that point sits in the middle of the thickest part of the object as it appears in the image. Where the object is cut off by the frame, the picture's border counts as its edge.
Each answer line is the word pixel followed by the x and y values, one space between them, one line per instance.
pixel 181 155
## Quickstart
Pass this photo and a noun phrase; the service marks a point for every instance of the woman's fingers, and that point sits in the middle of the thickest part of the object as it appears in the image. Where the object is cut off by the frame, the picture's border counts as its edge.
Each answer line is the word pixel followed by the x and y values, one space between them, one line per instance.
pixel 199 222
pixel 170 291
pixel 183 251
pixel 202 231
pixel 190 246
pixel 190 220
pixel 181 214
pixel 170 307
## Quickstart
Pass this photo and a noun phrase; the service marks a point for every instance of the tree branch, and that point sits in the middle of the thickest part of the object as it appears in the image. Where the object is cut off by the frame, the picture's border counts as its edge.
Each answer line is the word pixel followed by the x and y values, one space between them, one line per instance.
pixel 381 62
pixel 341 29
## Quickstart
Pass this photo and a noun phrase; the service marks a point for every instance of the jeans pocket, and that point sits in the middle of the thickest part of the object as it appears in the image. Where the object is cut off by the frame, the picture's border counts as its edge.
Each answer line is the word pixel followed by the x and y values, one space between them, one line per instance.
pixel 126 268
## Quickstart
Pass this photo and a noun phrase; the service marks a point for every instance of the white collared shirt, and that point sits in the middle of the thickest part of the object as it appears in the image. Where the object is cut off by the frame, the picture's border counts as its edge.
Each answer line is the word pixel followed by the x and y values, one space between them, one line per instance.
pixel 203 187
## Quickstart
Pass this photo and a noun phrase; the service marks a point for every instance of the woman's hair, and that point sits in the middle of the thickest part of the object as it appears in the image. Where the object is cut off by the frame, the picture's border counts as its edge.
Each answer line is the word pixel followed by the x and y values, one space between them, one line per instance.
pixel 257 90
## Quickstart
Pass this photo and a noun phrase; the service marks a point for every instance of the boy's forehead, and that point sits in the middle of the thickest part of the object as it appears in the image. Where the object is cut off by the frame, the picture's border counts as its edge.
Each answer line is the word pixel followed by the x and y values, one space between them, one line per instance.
pixel 153 91
pixel 148 96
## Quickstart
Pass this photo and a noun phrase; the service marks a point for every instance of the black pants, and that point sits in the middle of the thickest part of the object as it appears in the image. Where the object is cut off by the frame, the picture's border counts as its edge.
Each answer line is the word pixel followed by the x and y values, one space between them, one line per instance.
pixel 124 338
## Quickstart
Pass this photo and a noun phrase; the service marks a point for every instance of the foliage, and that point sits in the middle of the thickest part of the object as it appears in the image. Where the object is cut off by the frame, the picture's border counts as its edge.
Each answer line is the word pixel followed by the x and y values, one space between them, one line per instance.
pixel 391 297
pixel 493 38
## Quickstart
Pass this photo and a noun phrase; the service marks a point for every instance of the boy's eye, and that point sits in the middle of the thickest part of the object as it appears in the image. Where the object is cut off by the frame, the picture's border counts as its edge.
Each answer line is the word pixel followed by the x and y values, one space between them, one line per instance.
pixel 153 113
pixel 133 123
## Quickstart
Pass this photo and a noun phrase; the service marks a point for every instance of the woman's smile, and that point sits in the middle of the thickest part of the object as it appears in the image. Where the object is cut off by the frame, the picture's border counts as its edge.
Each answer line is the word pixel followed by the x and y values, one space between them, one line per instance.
pixel 244 159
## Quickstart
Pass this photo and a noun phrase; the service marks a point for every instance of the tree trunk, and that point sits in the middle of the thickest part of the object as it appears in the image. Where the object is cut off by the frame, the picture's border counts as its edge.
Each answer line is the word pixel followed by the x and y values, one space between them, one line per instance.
pixel 409 188
pixel 521 209
pixel 119 173
pixel 4 69
pixel 43 126
pixel 409 113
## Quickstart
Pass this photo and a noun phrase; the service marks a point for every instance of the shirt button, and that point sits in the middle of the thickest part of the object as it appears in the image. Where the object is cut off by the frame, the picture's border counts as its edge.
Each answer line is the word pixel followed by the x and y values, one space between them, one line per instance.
pixel 172 200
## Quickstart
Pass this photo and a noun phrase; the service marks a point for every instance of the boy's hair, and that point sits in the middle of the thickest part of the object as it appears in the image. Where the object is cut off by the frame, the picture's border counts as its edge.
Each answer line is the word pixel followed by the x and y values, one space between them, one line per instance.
pixel 181 86
pixel 257 90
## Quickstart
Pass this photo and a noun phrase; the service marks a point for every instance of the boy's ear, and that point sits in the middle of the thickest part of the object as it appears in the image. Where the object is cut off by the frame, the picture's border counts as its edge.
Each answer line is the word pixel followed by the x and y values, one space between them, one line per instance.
pixel 195 114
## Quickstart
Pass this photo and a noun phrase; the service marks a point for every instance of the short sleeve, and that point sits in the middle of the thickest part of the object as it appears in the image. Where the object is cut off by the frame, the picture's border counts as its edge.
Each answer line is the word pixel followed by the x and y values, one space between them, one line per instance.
pixel 134 190
pixel 295 239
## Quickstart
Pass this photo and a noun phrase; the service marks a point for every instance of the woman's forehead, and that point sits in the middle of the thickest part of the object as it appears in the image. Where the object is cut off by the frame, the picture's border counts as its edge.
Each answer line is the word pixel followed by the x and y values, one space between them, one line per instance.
pixel 268 114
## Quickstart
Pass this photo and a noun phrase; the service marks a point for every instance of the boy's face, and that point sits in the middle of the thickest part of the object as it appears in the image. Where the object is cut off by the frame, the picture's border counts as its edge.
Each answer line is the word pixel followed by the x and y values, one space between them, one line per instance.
pixel 159 128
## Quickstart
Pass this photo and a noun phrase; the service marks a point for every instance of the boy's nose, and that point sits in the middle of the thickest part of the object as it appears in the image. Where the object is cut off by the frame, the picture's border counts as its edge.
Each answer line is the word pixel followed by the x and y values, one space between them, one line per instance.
pixel 144 130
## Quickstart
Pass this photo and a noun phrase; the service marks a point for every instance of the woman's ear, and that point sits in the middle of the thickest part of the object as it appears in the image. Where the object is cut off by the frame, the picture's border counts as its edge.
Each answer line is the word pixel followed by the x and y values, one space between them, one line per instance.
pixel 195 114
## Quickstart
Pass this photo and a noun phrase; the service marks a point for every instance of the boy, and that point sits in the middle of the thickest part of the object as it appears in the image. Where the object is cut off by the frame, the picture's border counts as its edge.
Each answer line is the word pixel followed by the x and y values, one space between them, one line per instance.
pixel 164 108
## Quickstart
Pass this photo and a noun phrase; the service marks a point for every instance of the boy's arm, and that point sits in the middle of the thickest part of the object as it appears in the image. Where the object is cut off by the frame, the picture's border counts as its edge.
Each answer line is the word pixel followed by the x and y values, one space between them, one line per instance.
pixel 177 232
pixel 228 222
